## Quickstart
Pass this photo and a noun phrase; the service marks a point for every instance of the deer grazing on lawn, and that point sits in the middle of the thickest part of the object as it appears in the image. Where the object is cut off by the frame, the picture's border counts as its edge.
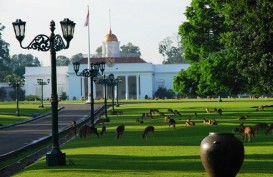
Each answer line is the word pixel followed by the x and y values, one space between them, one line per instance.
pixel 154 111
pixel 139 121
pixel 172 123
pixel 246 131
pixel 148 129
pixel 86 130
pixel 243 117
pixel 260 126
pixel 210 122
pixel 119 131
pixel 167 118
pixel 189 122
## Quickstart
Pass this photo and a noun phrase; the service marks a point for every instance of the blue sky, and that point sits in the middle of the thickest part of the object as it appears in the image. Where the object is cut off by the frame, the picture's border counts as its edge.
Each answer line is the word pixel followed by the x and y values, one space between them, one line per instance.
pixel 142 22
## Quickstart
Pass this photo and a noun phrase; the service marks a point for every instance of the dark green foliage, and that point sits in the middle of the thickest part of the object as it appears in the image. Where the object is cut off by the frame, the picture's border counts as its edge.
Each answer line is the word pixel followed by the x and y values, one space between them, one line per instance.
pixel 130 49
pixel 62 61
pixel 76 58
pixel 232 41
pixel 4 55
pixel 2 94
pixel 32 98
pixel 201 34
pixel 63 96
pixel 21 94
pixel 163 93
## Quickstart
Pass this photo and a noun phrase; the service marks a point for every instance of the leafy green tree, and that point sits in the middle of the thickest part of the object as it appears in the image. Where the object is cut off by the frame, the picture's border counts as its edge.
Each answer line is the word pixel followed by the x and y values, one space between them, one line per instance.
pixel 202 33
pixel 130 49
pixel 76 58
pixel 252 38
pixel 186 82
pixel 62 61
pixel 4 55
pixel 19 62
pixel 163 92
pixel 171 50
pixel 99 51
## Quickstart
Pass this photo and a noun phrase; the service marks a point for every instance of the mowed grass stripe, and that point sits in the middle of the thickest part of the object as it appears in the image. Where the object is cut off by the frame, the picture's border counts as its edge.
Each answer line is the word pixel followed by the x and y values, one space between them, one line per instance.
pixel 167 152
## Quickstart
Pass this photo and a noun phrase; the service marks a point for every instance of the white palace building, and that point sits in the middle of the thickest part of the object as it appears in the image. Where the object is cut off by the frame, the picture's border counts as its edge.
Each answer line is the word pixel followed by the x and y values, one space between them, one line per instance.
pixel 138 78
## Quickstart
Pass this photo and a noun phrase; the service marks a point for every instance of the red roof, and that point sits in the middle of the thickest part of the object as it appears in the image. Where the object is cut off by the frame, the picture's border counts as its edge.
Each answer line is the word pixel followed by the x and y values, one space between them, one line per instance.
pixel 114 60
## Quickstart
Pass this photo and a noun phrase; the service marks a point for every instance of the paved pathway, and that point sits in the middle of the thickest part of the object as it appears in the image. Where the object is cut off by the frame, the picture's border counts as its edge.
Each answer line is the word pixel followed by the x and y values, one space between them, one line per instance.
pixel 18 136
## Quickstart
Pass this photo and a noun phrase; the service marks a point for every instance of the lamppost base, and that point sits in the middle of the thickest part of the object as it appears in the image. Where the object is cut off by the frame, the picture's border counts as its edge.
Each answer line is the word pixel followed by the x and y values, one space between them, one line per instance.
pixel 41 106
pixel 117 105
pixel 17 113
pixel 55 158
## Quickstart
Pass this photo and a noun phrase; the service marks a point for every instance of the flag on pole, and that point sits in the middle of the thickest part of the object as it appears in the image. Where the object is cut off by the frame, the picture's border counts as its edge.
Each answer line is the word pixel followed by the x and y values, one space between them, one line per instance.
pixel 87 19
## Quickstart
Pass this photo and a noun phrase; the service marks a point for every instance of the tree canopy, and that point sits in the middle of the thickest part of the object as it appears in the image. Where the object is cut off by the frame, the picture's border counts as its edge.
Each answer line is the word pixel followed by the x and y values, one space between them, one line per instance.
pixel 130 49
pixel 62 61
pixel 4 55
pixel 230 42
pixel 19 62
pixel 171 50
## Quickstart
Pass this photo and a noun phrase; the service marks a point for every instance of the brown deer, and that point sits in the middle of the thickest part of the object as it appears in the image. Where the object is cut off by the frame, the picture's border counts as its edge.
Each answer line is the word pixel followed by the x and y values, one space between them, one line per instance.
pixel 172 123
pixel 189 122
pixel 213 122
pixel 219 111
pixel 205 121
pixel 246 131
pixel 148 129
pixel 243 117
pixel 154 111
pixel 261 126
pixel 147 115
pixel 139 121
pixel 119 131
pixel 86 130
pixel 260 108
pixel 210 122
pixel 167 118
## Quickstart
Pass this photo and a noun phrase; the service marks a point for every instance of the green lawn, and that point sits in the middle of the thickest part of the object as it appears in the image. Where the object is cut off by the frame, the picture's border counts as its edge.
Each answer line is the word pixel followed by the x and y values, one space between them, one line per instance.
pixel 167 152
pixel 26 110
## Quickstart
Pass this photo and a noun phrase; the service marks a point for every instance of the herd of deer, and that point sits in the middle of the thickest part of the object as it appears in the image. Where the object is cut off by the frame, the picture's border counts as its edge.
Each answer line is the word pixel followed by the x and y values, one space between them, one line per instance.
pixel 250 131
pixel 245 131
pixel 86 130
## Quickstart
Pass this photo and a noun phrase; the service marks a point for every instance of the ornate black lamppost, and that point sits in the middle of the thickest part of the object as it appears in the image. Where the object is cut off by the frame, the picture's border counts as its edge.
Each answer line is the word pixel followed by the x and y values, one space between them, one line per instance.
pixel 42 83
pixel 93 72
pixel 112 83
pixel 117 81
pixel 17 84
pixel 53 43
pixel 105 82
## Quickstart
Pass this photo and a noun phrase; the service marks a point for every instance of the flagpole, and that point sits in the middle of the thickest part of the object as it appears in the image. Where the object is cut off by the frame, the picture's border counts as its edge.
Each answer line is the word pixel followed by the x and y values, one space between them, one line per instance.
pixel 89 59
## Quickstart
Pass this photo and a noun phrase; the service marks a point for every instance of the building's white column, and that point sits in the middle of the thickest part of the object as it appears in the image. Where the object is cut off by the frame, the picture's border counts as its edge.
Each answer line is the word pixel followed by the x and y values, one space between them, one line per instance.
pixel 94 90
pixel 137 87
pixel 126 87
